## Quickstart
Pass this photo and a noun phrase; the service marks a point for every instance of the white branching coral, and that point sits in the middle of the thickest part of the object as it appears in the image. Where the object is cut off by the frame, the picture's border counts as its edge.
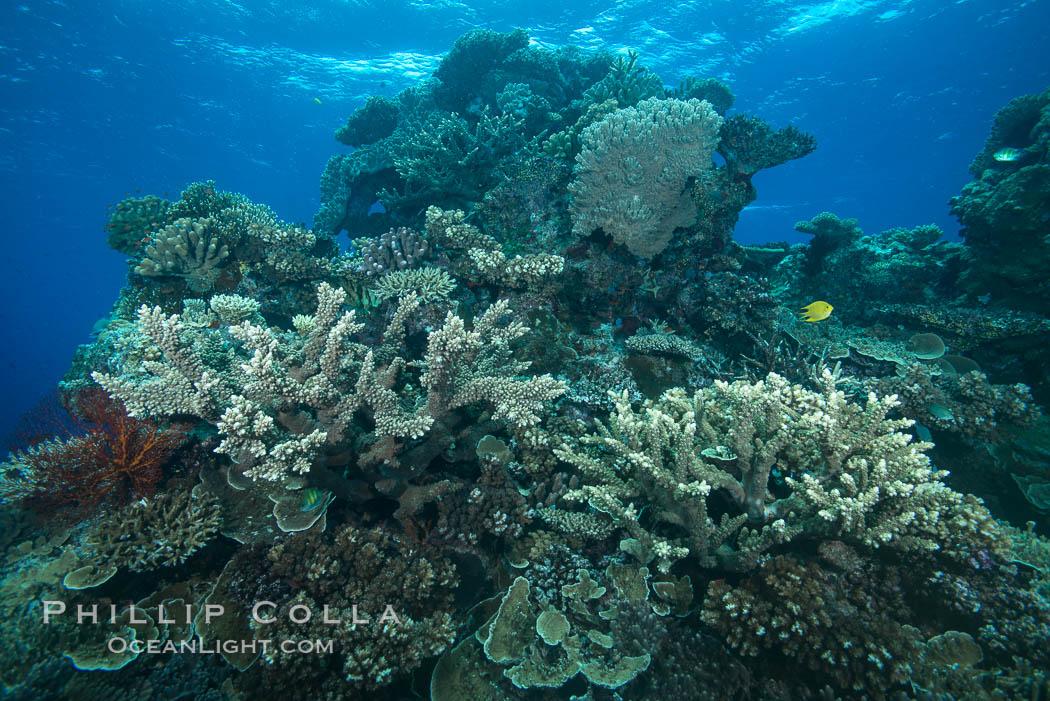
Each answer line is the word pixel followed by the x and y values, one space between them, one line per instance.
pixel 429 284
pixel 520 272
pixel 248 431
pixel 176 384
pixel 283 399
pixel 855 473
pixel 634 168
pixel 651 461
pixel 463 367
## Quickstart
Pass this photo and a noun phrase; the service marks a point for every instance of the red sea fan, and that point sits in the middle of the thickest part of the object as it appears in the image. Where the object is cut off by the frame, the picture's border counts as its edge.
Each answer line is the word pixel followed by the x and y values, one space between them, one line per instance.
pixel 116 457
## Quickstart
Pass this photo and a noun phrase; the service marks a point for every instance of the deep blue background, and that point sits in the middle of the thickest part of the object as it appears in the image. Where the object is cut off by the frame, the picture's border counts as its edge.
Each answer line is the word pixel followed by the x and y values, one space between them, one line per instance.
pixel 100 99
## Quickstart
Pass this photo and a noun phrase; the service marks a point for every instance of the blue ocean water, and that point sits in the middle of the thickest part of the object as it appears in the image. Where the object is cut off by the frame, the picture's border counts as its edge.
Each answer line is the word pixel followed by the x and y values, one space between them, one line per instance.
pixel 102 99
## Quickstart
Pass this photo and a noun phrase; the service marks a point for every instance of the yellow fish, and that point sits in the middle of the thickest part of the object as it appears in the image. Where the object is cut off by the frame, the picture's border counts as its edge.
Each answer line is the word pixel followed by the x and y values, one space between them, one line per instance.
pixel 313 498
pixel 318 100
pixel 816 311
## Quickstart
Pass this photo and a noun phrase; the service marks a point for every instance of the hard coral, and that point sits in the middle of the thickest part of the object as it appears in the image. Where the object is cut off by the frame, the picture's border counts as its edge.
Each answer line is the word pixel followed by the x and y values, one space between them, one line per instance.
pixel 804 614
pixel 375 120
pixel 749 144
pixel 632 173
pixel 132 220
pixel 357 574
pixel 1004 210
pixel 152 533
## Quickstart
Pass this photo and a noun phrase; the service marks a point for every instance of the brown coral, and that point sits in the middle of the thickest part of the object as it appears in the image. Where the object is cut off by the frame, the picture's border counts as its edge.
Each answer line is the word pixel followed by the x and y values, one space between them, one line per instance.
pixel 162 531
pixel 802 613
pixel 358 574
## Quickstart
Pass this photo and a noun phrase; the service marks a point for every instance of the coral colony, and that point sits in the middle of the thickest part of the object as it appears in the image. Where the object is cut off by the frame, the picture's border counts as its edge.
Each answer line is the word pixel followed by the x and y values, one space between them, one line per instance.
pixel 544 431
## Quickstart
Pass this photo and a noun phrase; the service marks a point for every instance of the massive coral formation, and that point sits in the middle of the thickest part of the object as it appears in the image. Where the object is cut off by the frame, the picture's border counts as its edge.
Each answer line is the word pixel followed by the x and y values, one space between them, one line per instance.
pixel 634 168
pixel 1003 211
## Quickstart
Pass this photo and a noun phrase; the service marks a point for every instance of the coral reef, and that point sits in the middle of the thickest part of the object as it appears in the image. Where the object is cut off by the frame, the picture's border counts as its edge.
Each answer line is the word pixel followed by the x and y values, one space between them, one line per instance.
pixel 543 430
pixel 813 620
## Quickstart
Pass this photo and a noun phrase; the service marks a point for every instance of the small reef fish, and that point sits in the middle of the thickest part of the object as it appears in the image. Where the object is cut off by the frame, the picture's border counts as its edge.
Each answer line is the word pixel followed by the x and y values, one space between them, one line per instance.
pixel 1007 155
pixel 318 100
pixel 816 311
pixel 312 498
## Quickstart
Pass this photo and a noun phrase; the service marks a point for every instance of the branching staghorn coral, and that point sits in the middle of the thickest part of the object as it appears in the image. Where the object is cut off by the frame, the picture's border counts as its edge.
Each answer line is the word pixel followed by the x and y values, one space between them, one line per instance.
pixel 520 272
pixel 233 308
pixel 162 531
pixel 488 263
pixel 297 394
pixel 177 383
pixel 854 473
pixel 283 252
pixel 654 459
pixel 633 170
pixel 626 82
